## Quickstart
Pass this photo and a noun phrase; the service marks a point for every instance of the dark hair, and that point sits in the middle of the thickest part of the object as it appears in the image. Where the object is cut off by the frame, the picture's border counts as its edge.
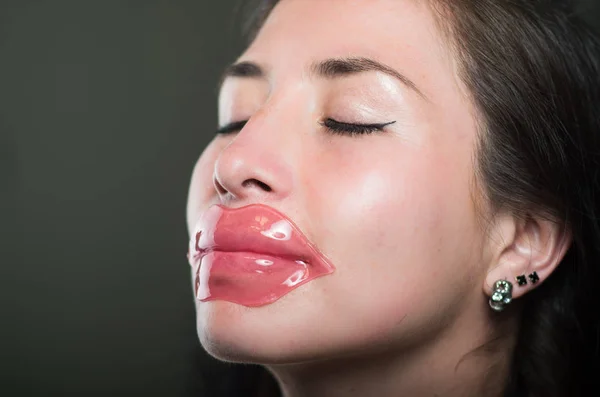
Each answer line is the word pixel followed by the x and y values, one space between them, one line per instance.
pixel 532 69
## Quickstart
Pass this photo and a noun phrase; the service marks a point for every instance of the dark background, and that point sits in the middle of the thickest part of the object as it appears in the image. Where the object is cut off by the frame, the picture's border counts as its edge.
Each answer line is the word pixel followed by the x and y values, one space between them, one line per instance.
pixel 104 108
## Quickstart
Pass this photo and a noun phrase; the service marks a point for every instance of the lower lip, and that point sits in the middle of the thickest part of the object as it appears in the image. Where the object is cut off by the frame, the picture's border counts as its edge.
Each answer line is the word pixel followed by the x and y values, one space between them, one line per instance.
pixel 248 278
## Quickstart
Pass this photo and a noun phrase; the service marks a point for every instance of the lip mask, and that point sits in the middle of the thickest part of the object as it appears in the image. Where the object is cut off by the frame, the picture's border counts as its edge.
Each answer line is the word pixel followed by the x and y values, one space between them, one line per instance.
pixel 251 256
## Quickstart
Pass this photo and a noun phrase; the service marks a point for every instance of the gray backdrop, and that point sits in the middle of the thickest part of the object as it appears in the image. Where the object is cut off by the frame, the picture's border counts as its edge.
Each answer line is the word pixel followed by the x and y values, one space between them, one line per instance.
pixel 104 108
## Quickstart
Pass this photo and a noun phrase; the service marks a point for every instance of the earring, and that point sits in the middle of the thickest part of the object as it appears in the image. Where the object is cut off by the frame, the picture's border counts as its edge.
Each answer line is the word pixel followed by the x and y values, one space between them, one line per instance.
pixel 534 278
pixel 521 280
pixel 501 296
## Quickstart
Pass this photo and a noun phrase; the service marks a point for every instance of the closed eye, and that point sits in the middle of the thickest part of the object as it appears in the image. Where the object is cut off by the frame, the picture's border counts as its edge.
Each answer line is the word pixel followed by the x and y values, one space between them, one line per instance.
pixel 342 128
pixel 333 126
pixel 230 128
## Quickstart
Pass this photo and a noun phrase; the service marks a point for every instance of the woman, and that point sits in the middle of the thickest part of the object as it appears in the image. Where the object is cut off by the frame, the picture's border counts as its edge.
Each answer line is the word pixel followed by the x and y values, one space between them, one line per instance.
pixel 402 201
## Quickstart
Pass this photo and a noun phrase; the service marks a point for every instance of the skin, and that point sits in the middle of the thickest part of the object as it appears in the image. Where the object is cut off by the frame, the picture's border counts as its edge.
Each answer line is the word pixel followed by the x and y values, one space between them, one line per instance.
pixel 406 308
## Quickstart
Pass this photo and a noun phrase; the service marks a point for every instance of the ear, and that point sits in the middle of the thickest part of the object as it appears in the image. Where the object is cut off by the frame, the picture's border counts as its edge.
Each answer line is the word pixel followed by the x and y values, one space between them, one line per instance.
pixel 526 245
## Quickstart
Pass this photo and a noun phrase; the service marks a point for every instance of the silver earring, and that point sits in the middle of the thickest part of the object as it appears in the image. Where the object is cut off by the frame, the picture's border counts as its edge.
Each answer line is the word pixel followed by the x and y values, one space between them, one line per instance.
pixel 501 296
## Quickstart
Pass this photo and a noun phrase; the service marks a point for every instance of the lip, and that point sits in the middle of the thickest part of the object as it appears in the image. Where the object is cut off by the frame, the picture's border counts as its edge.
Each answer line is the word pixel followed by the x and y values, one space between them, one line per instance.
pixel 251 255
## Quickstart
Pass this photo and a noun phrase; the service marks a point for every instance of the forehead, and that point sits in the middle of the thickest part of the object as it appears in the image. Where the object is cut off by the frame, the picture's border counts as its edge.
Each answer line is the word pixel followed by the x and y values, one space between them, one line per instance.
pixel 399 33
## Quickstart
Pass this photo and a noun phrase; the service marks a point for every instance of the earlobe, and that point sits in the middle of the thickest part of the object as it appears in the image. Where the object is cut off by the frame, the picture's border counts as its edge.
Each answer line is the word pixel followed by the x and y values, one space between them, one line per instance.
pixel 530 250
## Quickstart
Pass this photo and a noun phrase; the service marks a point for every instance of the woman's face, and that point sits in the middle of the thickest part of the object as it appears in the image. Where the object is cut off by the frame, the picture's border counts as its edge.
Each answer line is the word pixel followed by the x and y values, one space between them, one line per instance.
pixel 392 209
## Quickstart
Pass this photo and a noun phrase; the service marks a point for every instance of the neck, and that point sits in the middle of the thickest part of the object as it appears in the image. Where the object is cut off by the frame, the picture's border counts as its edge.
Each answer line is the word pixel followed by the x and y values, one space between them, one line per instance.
pixel 456 364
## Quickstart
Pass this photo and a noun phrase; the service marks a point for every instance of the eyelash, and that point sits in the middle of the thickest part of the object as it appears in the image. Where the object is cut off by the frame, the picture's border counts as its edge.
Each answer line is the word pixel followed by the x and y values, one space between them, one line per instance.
pixel 341 128
pixel 333 126
pixel 236 126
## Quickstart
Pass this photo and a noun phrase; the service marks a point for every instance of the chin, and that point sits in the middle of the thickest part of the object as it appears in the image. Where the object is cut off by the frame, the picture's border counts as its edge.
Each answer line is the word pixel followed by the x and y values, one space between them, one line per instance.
pixel 235 333
pixel 269 335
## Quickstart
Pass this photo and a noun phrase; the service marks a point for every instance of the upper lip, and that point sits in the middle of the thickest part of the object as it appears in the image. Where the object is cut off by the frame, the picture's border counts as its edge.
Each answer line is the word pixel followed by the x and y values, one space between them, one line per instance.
pixel 254 228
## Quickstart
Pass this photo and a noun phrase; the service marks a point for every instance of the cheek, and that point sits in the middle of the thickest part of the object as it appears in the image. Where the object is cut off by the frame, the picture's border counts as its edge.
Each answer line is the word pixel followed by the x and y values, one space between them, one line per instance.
pixel 385 203
pixel 397 224
pixel 398 211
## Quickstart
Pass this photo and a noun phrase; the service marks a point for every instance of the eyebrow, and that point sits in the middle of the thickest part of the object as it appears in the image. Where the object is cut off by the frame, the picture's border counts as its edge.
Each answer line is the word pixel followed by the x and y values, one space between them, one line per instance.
pixel 329 68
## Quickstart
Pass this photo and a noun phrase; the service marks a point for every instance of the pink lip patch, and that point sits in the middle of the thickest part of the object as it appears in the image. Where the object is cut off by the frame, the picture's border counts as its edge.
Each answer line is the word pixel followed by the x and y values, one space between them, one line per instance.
pixel 251 256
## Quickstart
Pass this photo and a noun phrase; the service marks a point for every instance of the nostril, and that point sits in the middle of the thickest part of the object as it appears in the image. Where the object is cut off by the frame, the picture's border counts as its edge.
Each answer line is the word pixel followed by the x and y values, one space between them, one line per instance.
pixel 262 185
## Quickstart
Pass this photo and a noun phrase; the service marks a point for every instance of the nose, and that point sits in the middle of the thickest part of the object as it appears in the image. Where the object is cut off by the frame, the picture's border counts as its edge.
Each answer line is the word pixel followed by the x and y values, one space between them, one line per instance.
pixel 255 166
